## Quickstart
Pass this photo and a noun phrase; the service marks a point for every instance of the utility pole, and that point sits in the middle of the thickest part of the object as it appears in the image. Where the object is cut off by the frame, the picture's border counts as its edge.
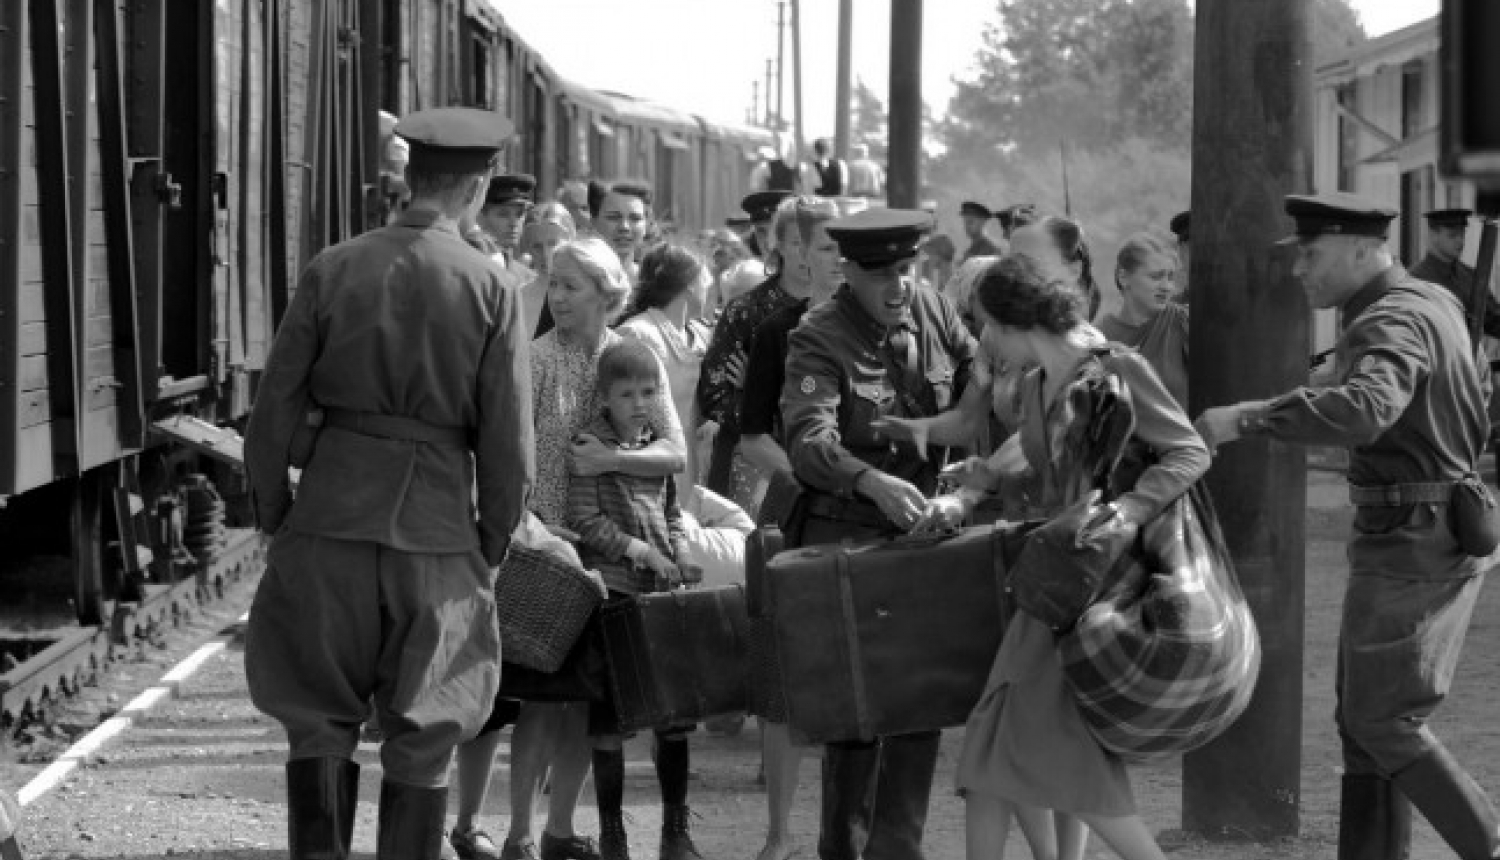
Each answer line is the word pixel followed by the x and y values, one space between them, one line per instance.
pixel 769 64
pixel 904 154
pixel 797 75
pixel 780 63
pixel 841 91
pixel 1252 144
pixel 754 102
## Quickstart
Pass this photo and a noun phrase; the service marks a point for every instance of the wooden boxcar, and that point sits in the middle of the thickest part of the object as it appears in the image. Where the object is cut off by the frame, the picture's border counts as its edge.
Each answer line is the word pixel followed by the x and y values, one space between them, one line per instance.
pixel 167 167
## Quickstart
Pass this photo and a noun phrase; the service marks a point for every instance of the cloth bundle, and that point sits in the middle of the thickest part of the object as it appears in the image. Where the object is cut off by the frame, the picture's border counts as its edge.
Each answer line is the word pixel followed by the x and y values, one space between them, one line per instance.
pixel 1167 656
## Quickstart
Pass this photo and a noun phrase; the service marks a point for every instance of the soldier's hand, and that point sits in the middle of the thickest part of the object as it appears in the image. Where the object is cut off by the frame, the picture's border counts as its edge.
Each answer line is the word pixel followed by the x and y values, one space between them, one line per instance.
pixel 597 580
pixel 913 430
pixel 901 503
pixel 590 457
pixel 1219 425
pixel 943 513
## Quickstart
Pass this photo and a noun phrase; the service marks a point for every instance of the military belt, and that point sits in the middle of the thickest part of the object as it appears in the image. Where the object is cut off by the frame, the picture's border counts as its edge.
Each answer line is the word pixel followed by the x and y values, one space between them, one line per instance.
pixel 395 427
pixel 852 511
pixel 1396 495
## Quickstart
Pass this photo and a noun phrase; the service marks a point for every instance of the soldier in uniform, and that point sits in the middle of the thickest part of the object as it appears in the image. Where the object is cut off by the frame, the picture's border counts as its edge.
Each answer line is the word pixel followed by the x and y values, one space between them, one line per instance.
pixel 879 347
pixel 1445 245
pixel 503 216
pixel 761 207
pixel 1410 405
pixel 975 217
pixel 408 350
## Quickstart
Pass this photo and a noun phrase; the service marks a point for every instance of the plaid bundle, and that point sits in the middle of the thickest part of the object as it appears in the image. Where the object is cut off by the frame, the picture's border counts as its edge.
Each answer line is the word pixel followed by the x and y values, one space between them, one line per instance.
pixel 1167 658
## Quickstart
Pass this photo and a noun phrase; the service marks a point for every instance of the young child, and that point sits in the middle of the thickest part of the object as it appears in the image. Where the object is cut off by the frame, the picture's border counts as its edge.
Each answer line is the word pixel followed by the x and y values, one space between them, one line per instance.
pixel 630 530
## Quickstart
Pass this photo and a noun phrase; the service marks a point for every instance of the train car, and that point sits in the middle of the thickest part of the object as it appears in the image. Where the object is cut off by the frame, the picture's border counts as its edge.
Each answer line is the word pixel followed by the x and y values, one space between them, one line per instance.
pixel 162 179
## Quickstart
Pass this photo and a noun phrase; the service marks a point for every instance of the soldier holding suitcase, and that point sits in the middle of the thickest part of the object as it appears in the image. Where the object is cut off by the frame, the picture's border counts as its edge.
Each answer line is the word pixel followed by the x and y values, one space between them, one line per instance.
pixel 882 346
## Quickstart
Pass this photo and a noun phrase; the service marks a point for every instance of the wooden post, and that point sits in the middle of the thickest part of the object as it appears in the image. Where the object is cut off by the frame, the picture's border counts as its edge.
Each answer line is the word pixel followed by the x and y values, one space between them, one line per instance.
pixel 1252 144
pixel 780 64
pixel 904 167
pixel 841 89
pixel 797 75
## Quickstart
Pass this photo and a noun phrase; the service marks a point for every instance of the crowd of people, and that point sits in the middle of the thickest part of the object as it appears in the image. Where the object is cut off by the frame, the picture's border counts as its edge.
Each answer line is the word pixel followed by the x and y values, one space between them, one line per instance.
pixel 635 396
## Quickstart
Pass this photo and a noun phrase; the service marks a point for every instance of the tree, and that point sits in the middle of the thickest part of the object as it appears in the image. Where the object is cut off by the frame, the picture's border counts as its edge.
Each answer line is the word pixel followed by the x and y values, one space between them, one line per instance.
pixel 868 124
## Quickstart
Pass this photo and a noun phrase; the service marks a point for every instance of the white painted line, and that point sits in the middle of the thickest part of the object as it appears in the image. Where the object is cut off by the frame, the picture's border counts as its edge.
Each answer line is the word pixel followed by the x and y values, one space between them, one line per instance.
pixel 169 686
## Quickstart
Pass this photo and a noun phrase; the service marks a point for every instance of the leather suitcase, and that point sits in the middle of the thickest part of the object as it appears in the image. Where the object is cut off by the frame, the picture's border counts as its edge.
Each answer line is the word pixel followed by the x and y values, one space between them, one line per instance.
pixel 677 657
pixel 888 637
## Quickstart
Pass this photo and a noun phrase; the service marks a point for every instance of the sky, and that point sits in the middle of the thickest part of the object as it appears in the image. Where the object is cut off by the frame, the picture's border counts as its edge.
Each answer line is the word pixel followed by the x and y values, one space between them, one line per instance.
pixel 703 55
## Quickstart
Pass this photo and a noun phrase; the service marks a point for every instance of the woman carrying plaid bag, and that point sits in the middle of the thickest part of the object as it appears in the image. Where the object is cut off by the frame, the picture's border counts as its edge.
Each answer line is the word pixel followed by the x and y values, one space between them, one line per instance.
pixel 1028 750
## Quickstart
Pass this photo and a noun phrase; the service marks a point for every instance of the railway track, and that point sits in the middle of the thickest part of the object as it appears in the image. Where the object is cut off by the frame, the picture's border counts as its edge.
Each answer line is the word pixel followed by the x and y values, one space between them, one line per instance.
pixel 54 666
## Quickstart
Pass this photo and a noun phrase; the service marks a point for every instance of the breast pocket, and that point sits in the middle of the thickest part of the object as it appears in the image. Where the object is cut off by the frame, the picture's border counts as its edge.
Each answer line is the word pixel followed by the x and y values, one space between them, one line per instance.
pixel 871 400
pixel 940 380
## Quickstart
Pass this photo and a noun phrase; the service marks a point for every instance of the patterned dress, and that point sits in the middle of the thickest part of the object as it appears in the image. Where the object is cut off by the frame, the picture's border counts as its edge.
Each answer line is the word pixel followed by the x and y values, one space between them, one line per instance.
pixel 565 400
pixel 1026 740
pixel 718 397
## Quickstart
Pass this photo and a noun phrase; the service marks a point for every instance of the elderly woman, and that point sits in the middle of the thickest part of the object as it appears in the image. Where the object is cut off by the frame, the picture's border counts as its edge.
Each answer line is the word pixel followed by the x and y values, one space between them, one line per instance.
pixel 549 226
pixel 587 288
pixel 960 289
pixel 1148 320
pixel 670 292
pixel 1060 245
pixel 1027 750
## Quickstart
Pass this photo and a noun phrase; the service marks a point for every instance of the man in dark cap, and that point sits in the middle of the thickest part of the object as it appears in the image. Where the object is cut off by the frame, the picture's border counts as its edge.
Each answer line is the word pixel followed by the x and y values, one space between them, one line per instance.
pixel 1446 229
pixel 1179 226
pixel 502 217
pixel 880 347
pixel 760 206
pixel 404 353
pixel 1410 404
pixel 975 216
pixel 1014 217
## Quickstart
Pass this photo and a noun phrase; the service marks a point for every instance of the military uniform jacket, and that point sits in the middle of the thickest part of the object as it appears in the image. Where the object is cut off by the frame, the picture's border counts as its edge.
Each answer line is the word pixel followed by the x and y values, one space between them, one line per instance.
pixel 1459 279
pixel 838 381
pixel 1410 406
pixel 407 320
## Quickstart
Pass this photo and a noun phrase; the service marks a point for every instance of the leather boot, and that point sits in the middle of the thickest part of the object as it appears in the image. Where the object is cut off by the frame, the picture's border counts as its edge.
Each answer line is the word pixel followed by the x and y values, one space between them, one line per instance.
pixel 1453 804
pixel 676 840
pixel 320 797
pixel 1374 819
pixel 411 822
pixel 613 843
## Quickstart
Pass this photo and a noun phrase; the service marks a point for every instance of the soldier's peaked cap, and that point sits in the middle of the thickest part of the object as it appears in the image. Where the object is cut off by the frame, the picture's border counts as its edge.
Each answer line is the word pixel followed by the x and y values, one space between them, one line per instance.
pixel 979 210
pixel 454 139
pixel 1448 217
pixel 510 187
pixel 1337 213
pixel 879 237
pixel 761 205
pixel 1180 224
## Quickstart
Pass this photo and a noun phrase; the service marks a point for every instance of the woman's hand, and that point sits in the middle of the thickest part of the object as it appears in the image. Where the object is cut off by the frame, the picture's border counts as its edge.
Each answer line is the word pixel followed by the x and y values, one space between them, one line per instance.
pixel 590 457
pixel 707 432
pixel 913 430
pixel 942 514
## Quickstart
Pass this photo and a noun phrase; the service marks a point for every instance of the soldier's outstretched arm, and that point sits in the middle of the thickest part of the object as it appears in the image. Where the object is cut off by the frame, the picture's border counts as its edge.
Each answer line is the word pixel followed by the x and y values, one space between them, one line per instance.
pixel 505 442
pixel 283 403
pixel 1388 360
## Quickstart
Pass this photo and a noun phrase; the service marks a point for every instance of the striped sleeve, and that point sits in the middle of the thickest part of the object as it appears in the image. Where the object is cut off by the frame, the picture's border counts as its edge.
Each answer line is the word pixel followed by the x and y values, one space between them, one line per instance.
pixel 588 515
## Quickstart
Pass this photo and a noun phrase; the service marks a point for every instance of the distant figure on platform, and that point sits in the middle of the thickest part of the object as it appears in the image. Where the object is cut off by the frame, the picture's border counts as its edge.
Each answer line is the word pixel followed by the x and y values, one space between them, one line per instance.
pixel 761 207
pixel 378 591
pixel 832 173
pixel 1445 245
pixel 503 217
pixel 975 216
pixel 574 194
pixel 866 177
pixel 1410 405
pixel 773 173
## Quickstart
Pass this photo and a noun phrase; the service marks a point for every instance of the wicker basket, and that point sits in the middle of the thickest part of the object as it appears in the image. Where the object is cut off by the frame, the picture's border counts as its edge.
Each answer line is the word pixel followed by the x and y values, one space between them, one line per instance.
pixel 543 604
